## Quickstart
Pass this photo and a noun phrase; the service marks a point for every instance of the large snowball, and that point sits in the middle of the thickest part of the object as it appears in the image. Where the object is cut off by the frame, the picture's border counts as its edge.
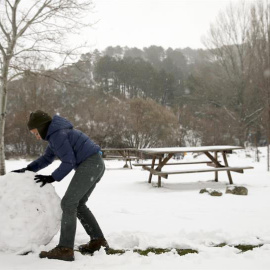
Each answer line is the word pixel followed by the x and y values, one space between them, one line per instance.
pixel 29 215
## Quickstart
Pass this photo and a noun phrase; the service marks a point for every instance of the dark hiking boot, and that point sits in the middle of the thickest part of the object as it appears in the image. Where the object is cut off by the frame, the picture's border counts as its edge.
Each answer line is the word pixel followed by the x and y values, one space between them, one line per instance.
pixel 58 253
pixel 94 245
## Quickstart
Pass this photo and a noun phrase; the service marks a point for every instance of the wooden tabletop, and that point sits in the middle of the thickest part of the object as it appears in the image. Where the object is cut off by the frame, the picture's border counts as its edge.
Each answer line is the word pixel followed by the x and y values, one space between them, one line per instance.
pixel 174 150
pixel 118 149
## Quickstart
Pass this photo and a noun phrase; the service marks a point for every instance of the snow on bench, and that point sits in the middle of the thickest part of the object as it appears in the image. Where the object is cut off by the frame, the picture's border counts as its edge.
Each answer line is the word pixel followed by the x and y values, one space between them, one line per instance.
pixel 165 174
pixel 175 163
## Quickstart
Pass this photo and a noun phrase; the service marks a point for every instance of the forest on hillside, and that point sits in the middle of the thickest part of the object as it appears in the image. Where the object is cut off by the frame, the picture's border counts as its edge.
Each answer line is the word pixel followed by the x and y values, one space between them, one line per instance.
pixel 154 96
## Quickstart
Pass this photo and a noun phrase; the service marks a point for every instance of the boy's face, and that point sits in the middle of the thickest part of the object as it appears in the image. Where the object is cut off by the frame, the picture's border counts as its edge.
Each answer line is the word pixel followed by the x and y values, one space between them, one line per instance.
pixel 35 132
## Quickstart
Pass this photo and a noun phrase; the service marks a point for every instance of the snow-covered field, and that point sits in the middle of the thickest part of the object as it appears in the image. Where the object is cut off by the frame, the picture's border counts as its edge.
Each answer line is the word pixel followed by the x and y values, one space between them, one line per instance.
pixel 134 214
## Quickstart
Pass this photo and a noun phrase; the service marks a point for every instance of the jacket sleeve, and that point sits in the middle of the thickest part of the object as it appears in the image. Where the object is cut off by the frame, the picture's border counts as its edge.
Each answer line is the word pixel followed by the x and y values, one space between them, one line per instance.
pixel 42 162
pixel 65 153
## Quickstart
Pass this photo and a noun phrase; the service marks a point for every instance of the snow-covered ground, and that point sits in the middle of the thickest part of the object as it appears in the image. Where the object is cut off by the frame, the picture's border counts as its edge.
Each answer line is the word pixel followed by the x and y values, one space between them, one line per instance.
pixel 134 214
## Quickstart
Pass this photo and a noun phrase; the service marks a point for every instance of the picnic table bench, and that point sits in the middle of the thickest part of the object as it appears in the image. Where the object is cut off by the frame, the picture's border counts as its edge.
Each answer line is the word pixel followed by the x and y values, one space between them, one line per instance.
pixel 122 154
pixel 163 155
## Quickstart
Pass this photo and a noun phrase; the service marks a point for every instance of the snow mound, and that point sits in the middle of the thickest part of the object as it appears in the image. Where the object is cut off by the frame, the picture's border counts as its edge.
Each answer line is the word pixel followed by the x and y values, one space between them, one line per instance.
pixel 30 216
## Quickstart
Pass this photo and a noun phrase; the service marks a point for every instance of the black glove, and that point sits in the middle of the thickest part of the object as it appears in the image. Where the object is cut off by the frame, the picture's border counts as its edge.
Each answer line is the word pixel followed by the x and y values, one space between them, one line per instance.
pixel 44 179
pixel 20 170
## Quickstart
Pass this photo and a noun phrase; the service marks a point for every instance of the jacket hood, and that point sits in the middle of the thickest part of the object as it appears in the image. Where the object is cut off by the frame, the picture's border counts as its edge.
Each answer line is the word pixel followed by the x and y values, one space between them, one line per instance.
pixel 58 123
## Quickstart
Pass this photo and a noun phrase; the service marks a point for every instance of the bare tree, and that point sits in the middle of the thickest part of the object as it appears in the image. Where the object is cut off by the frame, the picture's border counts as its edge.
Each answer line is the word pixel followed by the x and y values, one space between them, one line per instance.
pixel 149 124
pixel 34 31
pixel 229 42
pixel 259 40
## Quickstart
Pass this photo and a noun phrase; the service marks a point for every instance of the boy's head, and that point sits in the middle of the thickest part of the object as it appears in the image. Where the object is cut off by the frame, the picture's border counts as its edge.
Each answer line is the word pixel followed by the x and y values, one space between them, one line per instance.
pixel 38 124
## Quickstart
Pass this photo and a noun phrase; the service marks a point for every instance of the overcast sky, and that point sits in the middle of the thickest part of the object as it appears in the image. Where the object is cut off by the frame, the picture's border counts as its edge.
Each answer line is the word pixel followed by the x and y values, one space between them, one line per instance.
pixel 141 23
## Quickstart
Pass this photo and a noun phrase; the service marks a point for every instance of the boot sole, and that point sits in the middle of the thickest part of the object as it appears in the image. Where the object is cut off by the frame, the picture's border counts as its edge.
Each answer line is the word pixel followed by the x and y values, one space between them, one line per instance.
pixel 54 258
pixel 88 252
pixel 83 251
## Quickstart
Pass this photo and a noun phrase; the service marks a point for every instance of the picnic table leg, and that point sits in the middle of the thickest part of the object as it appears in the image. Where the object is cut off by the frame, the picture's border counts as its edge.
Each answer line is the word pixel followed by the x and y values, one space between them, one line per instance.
pixel 214 159
pixel 152 167
pixel 124 155
pixel 227 165
pixel 128 155
pixel 159 177
pixel 161 163
pixel 216 173
pixel 126 165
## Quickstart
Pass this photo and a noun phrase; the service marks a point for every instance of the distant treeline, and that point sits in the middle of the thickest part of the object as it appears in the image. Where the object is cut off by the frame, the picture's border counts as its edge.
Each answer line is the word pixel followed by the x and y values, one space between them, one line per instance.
pixel 139 98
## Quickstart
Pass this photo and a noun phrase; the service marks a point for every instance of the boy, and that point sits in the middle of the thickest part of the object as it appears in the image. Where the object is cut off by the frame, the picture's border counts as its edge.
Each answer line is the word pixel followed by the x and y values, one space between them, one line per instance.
pixel 76 151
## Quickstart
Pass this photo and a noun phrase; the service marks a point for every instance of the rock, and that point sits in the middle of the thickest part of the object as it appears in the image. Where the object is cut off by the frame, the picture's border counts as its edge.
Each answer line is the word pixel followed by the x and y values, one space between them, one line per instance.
pixel 30 215
pixel 237 190
pixel 211 192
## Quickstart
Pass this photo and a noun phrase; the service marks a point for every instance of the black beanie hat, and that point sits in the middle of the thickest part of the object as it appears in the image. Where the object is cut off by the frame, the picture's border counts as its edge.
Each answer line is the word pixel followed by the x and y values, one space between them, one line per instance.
pixel 38 119
pixel 43 130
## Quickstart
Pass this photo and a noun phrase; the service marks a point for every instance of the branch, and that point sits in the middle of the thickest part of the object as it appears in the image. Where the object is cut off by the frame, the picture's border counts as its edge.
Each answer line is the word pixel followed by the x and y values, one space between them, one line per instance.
pixel 4 31
pixel 7 1
pixel 252 114
pixel 251 120
pixel 229 113
pixel 35 16
pixel 15 76
pixel 28 12
pixel 7 13
pixel 14 14
pixel 57 9
pixel 2 50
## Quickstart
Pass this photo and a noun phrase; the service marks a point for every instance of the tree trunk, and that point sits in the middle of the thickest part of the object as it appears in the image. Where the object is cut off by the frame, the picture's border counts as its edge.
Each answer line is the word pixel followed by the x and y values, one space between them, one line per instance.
pixel 268 142
pixel 3 113
pixel 3 105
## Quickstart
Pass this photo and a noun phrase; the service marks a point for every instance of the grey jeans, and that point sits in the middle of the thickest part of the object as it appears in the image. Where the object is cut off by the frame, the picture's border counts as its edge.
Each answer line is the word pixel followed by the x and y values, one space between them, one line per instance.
pixel 73 204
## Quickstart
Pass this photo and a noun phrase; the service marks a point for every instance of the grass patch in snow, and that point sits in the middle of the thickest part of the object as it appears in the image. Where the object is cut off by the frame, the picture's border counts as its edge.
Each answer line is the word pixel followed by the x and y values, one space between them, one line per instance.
pixel 183 252
pixel 112 251
pixel 145 252
pixel 157 251
pixel 245 248
pixel 180 252
pixel 242 247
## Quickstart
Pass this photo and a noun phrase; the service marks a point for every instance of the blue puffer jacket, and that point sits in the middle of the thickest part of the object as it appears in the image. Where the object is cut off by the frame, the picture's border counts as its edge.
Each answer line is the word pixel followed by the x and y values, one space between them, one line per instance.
pixel 71 146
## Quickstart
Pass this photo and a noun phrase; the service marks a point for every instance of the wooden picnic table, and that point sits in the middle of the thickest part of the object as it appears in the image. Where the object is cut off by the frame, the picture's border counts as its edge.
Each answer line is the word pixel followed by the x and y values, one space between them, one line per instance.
pixel 123 154
pixel 163 155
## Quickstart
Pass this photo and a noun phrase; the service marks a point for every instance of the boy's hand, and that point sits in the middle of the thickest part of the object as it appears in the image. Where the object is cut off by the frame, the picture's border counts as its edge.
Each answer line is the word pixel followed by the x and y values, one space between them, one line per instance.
pixel 20 170
pixel 44 179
